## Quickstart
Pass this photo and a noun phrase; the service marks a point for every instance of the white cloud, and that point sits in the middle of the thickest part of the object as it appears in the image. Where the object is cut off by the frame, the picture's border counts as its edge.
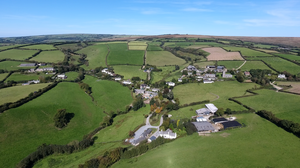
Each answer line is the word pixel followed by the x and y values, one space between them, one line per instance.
pixel 196 10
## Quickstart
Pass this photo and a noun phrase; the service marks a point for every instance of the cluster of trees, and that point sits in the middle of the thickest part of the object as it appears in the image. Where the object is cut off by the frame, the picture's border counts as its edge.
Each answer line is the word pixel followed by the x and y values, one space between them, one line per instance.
pixel 240 76
pixel 138 103
pixel 85 87
pixel 135 78
pixel 31 96
pixel 65 67
pixel 291 77
pixel 259 76
pixel 62 118
pixel 289 126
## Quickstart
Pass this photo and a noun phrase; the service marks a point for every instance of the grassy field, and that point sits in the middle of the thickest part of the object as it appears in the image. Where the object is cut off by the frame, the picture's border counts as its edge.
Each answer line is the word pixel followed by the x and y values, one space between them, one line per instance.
pixel 194 92
pixel 137 43
pixel 12 65
pixel 26 77
pixel 49 56
pixel 41 47
pixel 255 65
pixel 284 105
pixel 260 144
pixel 246 51
pixel 72 46
pixel 119 54
pixel 161 58
pixel 9 46
pixel 71 75
pixel 282 65
pixel 191 44
pixel 204 64
pixel 154 48
pixel 96 55
pixel 20 137
pixel 157 76
pixel 290 57
pixel 17 54
pixel 13 94
pixel 109 95
pixel 2 76
pixel 137 47
pixel 264 46
pixel 231 64
pixel 185 112
pixel 130 71
pixel 118 131
pixel 267 51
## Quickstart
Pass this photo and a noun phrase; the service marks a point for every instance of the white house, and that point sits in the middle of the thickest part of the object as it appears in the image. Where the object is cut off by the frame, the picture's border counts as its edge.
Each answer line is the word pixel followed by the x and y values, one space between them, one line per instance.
pixel 61 76
pixel 179 80
pixel 226 75
pixel 117 79
pixel 126 82
pixel 168 134
pixel 281 76
pixel 208 81
pixel 170 83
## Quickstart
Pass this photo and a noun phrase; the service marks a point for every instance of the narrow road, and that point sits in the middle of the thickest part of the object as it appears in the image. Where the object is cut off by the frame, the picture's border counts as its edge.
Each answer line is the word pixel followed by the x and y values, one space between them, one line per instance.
pixel 241 65
pixel 276 87
pixel 216 96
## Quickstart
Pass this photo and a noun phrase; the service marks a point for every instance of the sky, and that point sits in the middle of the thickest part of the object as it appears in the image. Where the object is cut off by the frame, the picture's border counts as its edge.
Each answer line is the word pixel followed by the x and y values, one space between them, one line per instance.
pixel 151 17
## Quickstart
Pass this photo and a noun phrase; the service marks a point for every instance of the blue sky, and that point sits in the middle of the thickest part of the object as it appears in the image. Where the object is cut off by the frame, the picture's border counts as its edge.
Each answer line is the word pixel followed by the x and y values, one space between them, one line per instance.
pixel 151 17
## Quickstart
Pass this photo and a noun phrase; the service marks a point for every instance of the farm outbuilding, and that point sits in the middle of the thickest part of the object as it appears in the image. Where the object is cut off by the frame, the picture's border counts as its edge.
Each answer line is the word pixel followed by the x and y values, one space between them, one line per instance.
pixel 219 120
pixel 231 124
pixel 211 107
pixel 203 126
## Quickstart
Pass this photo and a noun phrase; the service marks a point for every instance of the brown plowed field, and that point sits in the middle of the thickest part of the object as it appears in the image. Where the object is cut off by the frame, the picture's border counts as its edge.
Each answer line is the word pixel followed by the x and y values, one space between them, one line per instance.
pixel 217 53
pixel 295 86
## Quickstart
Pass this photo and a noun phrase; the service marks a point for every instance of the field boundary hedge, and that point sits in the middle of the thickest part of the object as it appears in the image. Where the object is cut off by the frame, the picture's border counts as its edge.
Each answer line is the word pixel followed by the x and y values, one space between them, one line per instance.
pixel 269 66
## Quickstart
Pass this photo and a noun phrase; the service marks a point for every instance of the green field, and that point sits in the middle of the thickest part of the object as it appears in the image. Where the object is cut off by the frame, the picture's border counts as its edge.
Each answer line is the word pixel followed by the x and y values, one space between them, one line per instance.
pixel 109 95
pixel 15 93
pixel 246 51
pixel 185 112
pixel 12 65
pixel 41 47
pixel 26 77
pixel 17 54
pixel 255 65
pixel 267 51
pixel 157 76
pixel 9 46
pixel 284 105
pixel 96 55
pixel 194 92
pixel 154 48
pixel 190 44
pixel 282 65
pixel 71 75
pixel 137 43
pixel 130 71
pixel 119 54
pixel 161 58
pixel 49 56
pixel 290 57
pixel 231 64
pixel 264 46
pixel 204 64
pixel 3 75
pixel 260 144
pixel 19 137
pixel 137 47
pixel 116 132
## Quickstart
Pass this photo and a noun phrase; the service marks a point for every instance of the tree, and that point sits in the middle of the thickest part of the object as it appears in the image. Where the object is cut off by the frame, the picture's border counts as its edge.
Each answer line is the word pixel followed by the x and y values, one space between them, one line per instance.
pixel 220 112
pixel 298 53
pixel 152 101
pixel 60 118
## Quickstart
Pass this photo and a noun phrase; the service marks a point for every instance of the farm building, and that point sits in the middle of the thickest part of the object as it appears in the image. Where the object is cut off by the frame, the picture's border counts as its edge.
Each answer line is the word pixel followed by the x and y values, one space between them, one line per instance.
pixel 281 76
pixel 117 79
pixel 61 76
pixel 136 142
pixel 201 119
pixel 191 68
pixel 246 73
pixel 212 108
pixel 27 65
pixel 126 82
pixel 204 126
pixel 226 75
pixel 139 91
pixel 208 81
pixel 210 75
pixel 219 120
pixel 149 94
pixel 168 134
pixel 220 69
pixel 143 86
pixel 170 83
pixel 210 66
pixel 179 80
pixel 155 90
pixel 203 111
pixel 231 124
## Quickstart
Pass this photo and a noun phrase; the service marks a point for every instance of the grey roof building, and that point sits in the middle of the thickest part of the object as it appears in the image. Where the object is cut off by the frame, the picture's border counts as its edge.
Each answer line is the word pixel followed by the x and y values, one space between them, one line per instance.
pixel 203 126
pixel 203 111
pixel 139 91
pixel 28 65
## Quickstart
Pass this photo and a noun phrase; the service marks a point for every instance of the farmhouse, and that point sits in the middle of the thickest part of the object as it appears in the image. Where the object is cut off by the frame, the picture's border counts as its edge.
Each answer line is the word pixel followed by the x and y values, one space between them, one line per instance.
pixel 117 79
pixel 191 68
pixel 139 91
pixel 61 76
pixel 149 94
pixel 231 124
pixel 220 69
pixel 208 81
pixel 27 65
pixel 281 76
pixel 141 138
pixel 210 75
pixel 246 73
pixel 143 86
pixel 170 83
pixel 226 75
pixel 168 134
pixel 204 126
pixel 50 69
pixel 127 82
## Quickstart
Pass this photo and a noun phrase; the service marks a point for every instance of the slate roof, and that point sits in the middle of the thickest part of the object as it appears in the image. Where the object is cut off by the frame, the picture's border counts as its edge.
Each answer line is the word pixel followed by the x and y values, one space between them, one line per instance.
pixel 147 132
pixel 203 126
pixel 219 119
pixel 230 124
pixel 152 138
